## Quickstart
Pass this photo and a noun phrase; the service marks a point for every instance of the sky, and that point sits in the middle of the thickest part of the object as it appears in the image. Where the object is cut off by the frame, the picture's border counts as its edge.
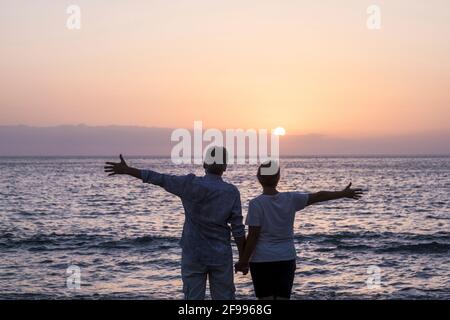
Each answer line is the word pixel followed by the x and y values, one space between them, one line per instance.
pixel 312 67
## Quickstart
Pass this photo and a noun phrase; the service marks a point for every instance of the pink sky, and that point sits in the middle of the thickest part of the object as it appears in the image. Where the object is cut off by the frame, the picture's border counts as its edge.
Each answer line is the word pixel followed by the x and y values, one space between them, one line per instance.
pixel 312 67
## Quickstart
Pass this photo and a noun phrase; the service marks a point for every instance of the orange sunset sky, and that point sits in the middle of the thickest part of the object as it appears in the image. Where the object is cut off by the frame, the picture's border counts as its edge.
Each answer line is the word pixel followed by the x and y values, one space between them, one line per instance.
pixel 312 67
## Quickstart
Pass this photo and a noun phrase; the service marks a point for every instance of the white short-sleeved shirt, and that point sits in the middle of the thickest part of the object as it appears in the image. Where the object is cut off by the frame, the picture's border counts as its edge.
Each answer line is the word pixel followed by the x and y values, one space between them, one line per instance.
pixel 275 215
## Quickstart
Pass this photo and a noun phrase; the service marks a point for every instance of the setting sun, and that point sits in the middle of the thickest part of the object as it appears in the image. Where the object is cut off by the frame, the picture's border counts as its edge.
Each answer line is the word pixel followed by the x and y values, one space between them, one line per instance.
pixel 279 131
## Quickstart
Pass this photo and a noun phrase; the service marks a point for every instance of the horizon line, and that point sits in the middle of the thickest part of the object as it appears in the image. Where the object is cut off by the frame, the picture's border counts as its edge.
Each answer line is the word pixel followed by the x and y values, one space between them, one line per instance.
pixel 329 155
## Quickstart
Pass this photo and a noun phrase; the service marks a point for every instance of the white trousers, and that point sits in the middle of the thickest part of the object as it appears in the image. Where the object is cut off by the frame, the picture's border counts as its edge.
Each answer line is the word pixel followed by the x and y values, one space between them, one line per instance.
pixel 195 274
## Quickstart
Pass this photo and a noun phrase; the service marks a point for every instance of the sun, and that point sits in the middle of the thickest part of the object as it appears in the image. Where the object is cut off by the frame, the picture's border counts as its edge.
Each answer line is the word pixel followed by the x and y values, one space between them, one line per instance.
pixel 279 131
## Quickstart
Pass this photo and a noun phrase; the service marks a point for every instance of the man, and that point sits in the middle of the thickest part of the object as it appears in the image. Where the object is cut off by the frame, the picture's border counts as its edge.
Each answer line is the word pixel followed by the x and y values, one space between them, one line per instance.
pixel 211 206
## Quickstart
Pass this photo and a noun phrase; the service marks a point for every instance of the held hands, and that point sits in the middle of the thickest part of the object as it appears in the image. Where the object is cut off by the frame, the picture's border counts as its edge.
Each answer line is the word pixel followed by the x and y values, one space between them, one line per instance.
pixel 241 267
pixel 116 167
pixel 352 193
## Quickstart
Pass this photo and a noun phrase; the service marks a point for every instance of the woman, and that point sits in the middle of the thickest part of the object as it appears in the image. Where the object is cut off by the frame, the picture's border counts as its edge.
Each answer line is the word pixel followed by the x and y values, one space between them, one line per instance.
pixel 269 251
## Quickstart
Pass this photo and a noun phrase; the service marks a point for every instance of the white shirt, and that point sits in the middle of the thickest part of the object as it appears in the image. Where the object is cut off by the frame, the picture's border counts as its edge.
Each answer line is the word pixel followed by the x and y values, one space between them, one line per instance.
pixel 275 215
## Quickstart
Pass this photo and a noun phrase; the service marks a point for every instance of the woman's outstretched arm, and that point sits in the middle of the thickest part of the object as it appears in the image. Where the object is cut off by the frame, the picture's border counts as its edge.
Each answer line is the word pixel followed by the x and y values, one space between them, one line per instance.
pixel 333 195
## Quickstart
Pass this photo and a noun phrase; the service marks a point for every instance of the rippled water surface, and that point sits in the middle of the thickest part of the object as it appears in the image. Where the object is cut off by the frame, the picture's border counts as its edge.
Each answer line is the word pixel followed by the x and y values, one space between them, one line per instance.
pixel 57 212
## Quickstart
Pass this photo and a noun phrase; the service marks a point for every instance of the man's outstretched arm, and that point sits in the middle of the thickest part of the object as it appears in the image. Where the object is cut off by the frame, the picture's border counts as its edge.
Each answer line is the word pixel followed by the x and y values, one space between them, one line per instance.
pixel 121 167
pixel 170 183
pixel 334 195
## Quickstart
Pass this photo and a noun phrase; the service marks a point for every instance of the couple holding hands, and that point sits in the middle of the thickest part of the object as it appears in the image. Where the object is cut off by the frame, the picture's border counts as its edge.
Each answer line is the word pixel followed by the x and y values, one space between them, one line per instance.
pixel 213 214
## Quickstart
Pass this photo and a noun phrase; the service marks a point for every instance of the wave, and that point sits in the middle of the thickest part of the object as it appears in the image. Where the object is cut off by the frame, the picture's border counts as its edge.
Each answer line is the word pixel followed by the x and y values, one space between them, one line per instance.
pixel 419 248
pixel 430 247
pixel 369 235
pixel 73 241
pixel 161 242
pixel 381 242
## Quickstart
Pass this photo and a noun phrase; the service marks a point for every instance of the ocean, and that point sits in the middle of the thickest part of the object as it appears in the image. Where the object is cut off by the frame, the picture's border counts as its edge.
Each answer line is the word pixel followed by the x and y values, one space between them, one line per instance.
pixel 122 235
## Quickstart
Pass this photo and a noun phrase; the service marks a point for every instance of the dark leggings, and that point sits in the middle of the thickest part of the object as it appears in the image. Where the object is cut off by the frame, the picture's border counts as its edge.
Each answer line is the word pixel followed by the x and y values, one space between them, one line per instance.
pixel 273 278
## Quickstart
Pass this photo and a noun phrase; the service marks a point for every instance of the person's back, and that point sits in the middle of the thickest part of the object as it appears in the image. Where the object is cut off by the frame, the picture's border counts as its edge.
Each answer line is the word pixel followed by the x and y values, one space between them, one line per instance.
pixel 210 204
pixel 275 215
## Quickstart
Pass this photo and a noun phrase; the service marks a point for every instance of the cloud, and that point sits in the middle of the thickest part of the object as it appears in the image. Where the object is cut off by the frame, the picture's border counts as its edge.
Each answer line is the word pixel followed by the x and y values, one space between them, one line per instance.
pixel 414 144
pixel 85 140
